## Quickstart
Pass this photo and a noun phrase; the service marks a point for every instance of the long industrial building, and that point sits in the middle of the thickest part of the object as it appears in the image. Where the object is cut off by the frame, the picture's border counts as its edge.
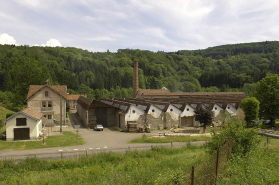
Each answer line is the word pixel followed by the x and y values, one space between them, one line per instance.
pixel 158 108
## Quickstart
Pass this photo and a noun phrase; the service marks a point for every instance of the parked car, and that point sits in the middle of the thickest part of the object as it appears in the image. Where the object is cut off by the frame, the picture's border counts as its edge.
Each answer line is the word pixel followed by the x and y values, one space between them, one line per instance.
pixel 267 122
pixel 99 127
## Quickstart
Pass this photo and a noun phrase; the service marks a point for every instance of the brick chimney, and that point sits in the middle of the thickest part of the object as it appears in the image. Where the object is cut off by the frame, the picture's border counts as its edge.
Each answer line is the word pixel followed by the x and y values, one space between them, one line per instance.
pixel 136 79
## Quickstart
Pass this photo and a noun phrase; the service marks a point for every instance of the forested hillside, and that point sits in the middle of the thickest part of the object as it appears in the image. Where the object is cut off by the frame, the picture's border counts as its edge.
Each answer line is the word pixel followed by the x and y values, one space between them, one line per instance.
pixel 108 74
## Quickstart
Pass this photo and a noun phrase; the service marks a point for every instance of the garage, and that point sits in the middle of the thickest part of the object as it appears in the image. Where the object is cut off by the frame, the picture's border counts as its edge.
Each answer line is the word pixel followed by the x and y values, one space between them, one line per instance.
pixel 21 134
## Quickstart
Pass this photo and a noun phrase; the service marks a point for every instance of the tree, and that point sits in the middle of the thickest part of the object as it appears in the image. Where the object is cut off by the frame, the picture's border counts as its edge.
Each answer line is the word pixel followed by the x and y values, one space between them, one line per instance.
pixel 204 116
pixel 251 108
pixel 267 92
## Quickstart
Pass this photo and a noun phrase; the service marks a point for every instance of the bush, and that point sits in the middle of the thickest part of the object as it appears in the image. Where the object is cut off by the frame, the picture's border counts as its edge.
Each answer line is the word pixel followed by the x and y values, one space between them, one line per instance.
pixel 244 138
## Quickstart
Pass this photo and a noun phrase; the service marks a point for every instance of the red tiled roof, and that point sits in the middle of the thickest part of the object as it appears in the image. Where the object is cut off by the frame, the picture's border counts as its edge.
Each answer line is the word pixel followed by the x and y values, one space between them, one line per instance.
pixel 75 96
pixel 60 89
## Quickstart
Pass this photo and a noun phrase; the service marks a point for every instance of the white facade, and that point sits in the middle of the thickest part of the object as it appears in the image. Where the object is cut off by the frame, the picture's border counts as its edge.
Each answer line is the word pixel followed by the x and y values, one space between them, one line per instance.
pixel 231 109
pixel 34 126
pixel 188 111
pixel 216 109
pixel 154 111
pixel 133 113
pixel 174 112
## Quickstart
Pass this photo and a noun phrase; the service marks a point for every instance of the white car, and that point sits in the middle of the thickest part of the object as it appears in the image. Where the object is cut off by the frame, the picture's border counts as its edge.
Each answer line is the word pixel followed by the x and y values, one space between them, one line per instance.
pixel 99 127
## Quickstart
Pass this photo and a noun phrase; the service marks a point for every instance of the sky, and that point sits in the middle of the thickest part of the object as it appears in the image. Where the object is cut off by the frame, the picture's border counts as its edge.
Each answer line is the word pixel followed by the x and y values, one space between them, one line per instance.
pixel 155 25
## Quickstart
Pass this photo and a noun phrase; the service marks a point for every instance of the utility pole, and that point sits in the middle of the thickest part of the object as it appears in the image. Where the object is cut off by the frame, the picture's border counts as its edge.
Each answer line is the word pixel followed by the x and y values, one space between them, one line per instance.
pixel 60 114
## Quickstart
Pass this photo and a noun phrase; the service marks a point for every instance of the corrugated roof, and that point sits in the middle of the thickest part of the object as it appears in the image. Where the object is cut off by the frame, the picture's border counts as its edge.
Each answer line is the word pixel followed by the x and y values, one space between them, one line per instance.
pixel 60 89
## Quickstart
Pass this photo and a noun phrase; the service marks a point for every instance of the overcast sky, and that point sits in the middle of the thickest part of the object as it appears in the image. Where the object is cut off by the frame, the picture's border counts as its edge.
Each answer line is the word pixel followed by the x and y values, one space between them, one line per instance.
pixel 156 25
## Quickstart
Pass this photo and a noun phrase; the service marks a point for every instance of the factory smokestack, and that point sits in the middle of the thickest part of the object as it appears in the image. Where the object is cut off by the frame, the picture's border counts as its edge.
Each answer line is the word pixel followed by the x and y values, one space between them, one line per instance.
pixel 136 79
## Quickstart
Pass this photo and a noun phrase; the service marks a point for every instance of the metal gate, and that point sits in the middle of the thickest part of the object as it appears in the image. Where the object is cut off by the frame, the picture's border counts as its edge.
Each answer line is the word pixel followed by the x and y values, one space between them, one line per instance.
pixel 21 133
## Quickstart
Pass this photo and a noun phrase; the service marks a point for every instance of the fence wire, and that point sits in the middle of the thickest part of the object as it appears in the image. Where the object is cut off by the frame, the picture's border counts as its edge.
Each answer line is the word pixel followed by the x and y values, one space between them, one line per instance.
pixel 207 172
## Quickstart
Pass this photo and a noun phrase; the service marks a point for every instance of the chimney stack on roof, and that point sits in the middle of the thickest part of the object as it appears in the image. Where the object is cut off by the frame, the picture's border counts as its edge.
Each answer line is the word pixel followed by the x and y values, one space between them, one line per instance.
pixel 136 79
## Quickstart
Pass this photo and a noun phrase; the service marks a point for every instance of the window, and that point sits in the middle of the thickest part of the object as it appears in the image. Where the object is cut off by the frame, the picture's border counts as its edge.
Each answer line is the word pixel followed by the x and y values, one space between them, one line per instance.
pixel 49 116
pixel 153 110
pixel 134 111
pixel 44 104
pixel 21 122
pixel 187 109
pixel 171 110
pixel 46 93
pixel 215 108
pixel 45 116
pixel 228 107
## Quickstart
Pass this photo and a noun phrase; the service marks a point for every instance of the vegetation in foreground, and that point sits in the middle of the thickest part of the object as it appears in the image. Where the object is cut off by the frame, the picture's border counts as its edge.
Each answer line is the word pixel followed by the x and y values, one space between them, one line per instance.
pixel 157 166
pixel 67 139
pixel 168 139
pixel 259 166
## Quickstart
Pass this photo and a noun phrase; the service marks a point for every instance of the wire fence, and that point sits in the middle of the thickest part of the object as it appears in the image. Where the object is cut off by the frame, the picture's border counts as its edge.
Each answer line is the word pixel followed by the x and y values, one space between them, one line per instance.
pixel 207 172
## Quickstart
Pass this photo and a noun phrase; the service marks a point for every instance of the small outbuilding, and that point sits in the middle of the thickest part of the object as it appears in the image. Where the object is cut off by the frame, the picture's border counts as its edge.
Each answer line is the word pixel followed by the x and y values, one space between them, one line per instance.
pixel 24 125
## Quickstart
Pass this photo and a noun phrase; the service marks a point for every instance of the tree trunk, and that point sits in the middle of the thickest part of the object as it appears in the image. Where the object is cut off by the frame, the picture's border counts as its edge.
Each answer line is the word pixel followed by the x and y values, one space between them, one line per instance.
pixel 204 127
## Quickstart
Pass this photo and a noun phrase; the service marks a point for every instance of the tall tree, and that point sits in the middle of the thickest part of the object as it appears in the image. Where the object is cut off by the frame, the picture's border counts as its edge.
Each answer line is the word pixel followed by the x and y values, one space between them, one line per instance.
pixel 251 107
pixel 267 92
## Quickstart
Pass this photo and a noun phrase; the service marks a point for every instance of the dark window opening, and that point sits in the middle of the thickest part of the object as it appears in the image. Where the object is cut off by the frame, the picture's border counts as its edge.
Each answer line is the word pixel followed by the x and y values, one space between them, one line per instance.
pixel 46 93
pixel 153 110
pixel 21 122
pixel 44 104
pixel 49 104
pixel 187 109
pixel 228 107
pixel 171 110
pixel 134 111
pixel 49 116
pixel 215 108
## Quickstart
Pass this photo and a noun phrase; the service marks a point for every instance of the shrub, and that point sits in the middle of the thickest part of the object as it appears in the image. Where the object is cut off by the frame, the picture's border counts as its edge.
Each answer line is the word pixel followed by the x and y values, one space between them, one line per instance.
pixel 244 138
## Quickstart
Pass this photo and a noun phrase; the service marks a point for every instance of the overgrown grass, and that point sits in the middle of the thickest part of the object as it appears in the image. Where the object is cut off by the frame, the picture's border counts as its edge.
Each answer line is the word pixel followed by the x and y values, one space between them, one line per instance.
pixel 168 139
pixel 67 139
pixel 158 166
pixel 260 166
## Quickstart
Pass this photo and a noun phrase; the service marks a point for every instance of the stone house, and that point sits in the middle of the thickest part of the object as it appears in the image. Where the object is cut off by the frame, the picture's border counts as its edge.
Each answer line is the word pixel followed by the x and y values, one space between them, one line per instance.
pixel 50 100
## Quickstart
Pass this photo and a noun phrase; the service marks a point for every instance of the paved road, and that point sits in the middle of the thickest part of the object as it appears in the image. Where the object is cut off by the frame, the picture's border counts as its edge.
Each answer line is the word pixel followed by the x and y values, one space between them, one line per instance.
pixel 107 140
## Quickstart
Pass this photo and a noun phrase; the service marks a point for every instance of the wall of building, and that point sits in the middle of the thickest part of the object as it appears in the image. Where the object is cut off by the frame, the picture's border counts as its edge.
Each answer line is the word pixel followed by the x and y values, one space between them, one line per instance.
pixel 32 124
pixel 36 100
pixel 231 110
pixel 82 113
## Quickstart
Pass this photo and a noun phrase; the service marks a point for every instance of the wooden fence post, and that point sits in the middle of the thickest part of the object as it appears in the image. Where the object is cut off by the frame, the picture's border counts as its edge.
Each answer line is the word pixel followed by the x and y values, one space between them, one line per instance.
pixel 217 160
pixel 192 175
pixel 267 141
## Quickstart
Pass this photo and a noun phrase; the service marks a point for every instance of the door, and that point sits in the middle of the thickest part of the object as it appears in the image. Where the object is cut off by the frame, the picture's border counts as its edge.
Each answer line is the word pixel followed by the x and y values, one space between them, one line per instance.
pixel 21 134
pixel 187 121
pixel 101 114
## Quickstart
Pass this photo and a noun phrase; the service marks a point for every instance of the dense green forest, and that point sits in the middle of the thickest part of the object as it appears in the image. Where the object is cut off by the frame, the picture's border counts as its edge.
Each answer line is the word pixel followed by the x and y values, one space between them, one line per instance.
pixel 110 74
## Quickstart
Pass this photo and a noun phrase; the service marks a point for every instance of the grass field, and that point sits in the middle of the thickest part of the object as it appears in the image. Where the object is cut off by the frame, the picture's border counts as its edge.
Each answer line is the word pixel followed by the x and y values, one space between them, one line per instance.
pixel 259 167
pixel 67 139
pixel 168 139
pixel 157 166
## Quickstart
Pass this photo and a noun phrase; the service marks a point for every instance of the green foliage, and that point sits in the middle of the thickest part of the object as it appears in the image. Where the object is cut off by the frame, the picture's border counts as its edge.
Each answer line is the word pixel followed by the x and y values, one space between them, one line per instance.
pixel 251 107
pixel 245 139
pixel 258 167
pixel 157 166
pixel 222 68
pixel 204 116
pixel 168 139
pixel 267 92
pixel 67 139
